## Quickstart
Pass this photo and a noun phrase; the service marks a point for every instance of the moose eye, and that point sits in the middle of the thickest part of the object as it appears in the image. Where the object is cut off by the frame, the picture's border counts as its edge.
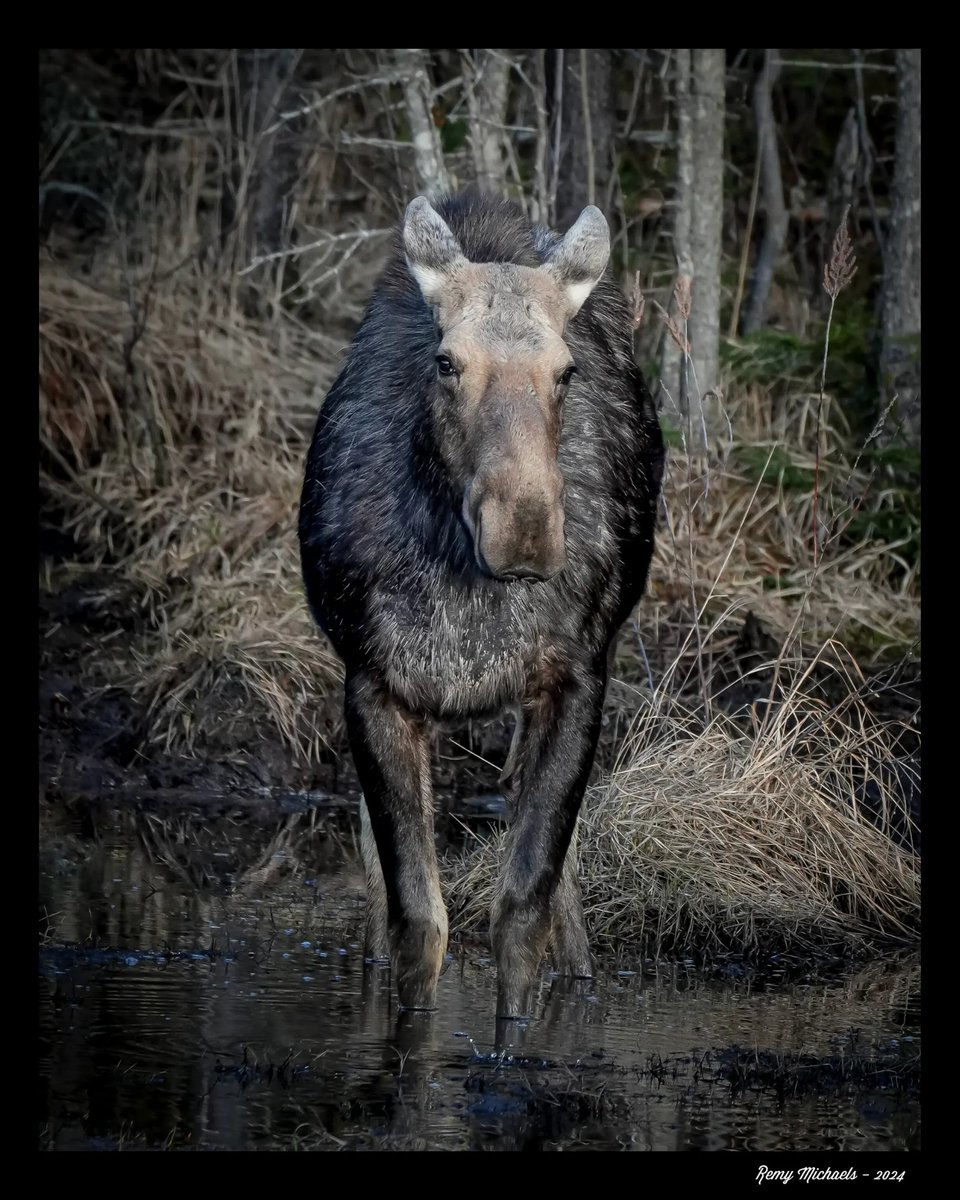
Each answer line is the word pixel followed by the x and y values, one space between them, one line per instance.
pixel 445 366
pixel 565 378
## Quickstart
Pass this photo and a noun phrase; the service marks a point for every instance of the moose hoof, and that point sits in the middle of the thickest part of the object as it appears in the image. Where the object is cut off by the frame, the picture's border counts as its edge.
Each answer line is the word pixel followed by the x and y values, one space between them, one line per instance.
pixel 417 994
pixel 513 1005
pixel 575 970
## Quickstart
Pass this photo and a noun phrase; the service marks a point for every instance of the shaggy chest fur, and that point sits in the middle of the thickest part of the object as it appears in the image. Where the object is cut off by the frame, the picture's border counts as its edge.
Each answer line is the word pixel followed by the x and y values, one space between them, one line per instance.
pixel 456 652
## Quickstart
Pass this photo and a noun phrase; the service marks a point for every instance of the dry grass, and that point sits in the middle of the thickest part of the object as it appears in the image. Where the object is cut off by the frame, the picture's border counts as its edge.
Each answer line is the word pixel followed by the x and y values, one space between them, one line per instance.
pixel 181 478
pixel 727 542
pixel 713 838
pixel 174 425
pixel 177 394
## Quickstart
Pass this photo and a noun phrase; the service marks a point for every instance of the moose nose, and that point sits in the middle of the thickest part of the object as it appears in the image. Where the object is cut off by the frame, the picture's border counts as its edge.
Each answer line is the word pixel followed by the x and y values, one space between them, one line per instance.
pixel 514 541
pixel 515 516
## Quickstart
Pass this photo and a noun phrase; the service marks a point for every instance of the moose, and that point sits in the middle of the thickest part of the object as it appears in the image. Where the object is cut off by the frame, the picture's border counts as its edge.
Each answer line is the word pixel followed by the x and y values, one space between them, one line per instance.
pixel 476 524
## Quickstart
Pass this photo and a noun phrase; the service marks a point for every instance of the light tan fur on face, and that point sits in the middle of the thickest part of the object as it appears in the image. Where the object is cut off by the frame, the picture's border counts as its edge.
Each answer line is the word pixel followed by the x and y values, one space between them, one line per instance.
pixel 502 327
pixel 497 416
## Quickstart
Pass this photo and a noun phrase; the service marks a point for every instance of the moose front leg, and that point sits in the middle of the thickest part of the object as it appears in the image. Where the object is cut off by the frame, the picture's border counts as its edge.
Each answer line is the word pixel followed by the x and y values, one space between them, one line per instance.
pixel 568 930
pixel 537 888
pixel 392 756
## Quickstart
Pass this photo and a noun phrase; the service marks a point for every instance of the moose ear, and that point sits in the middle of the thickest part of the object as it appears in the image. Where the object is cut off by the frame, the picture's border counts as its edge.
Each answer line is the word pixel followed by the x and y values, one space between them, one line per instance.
pixel 431 248
pixel 579 261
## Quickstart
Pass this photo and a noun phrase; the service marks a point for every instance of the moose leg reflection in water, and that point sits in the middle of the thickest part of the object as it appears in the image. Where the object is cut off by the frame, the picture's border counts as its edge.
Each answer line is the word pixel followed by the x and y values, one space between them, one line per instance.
pixel 476 524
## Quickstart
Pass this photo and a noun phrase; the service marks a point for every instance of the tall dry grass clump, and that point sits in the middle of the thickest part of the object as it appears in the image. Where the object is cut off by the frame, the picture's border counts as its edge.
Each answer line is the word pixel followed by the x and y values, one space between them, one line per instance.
pixel 709 838
pixel 179 476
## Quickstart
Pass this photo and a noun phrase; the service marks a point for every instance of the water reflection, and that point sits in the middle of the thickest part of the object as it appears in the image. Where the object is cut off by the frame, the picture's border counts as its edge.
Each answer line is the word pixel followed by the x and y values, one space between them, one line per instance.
pixel 202 985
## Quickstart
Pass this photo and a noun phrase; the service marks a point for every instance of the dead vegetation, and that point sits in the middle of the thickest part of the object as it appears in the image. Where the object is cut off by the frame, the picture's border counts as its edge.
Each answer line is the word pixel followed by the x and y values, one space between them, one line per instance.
pixel 174 418
pixel 709 837
pixel 179 478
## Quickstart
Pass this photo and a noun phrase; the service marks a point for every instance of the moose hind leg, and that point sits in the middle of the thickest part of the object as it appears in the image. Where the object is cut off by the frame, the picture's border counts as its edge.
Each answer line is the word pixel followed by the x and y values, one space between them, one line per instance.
pixel 533 894
pixel 568 932
pixel 392 756
pixel 376 943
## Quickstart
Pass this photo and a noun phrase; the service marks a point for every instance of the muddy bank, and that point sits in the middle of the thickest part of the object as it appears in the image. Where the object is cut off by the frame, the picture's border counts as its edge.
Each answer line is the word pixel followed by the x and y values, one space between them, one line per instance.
pixel 98 736
pixel 203 986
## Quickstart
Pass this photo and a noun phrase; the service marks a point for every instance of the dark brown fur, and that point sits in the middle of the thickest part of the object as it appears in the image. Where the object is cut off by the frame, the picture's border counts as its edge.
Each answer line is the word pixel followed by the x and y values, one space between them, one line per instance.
pixel 472 543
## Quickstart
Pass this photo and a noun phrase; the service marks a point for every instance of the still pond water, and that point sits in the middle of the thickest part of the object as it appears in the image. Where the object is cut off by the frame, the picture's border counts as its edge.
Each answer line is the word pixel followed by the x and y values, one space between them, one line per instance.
pixel 202 986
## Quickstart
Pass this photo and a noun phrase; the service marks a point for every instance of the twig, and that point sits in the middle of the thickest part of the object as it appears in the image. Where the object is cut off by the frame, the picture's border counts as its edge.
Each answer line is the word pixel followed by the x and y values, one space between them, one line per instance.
pixel 354 235
pixel 747 238
pixel 557 130
pixel 588 130
pixel 348 90
pixel 838 66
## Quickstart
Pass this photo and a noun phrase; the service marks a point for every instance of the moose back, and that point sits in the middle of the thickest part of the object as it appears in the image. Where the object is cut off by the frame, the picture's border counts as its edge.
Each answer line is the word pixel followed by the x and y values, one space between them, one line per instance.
pixel 476 524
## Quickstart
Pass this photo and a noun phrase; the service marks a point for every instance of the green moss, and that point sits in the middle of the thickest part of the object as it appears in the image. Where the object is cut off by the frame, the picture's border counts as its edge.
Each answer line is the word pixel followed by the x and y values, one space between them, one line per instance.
pixel 778 583
pixel 896 519
pixel 671 435
pixel 453 135
pixel 771 356
pixel 776 468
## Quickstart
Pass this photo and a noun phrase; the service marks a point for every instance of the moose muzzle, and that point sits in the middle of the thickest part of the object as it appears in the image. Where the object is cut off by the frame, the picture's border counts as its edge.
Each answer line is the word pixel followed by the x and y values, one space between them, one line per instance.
pixel 515 514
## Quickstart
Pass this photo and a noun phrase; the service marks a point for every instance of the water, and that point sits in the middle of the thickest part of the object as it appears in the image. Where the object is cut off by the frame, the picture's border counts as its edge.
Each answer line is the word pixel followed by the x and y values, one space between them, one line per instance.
pixel 202 985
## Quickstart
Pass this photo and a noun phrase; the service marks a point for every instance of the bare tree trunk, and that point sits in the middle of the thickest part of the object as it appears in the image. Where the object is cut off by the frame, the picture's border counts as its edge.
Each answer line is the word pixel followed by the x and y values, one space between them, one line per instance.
pixel 584 120
pixel 541 208
pixel 488 77
pixel 275 172
pixel 706 228
pixel 683 218
pixel 265 172
pixel 432 177
pixel 842 185
pixel 775 210
pixel 900 295
pixel 679 379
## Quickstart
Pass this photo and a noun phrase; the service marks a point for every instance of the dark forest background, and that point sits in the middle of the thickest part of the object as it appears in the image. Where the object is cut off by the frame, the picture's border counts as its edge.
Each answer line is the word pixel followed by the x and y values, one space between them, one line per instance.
pixel 210 226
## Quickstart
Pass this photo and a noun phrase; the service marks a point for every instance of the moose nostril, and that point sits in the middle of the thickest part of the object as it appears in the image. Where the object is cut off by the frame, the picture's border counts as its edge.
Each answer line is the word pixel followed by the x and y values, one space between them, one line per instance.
pixel 470 518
